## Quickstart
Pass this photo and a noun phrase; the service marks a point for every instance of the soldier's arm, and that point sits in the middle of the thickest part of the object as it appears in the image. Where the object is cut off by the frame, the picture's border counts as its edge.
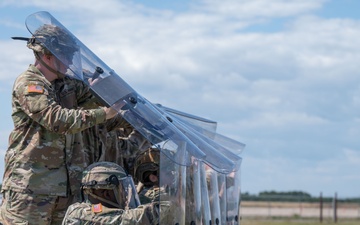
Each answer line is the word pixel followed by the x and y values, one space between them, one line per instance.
pixel 144 214
pixel 35 102
pixel 85 98
pixel 117 122
pixel 133 144
pixel 73 215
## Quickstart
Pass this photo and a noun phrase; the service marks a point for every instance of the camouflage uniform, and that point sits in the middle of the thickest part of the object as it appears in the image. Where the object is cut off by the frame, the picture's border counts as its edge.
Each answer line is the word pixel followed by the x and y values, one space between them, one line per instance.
pixel 101 142
pixel 82 213
pixel 113 141
pixel 121 145
pixel 45 158
pixel 150 194
pixel 96 139
pixel 110 176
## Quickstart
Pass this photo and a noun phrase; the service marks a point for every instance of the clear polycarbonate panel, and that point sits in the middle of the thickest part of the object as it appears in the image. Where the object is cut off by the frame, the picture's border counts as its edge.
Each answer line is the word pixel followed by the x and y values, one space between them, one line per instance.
pixel 173 134
pixel 172 183
pixel 222 153
pixel 216 155
pixel 130 190
pixel 85 63
pixel 205 127
pixel 114 91
pixel 232 145
pixel 200 122
pixel 206 210
pixel 233 196
pixel 193 196
pixel 212 197
pixel 222 197
pixel 160 131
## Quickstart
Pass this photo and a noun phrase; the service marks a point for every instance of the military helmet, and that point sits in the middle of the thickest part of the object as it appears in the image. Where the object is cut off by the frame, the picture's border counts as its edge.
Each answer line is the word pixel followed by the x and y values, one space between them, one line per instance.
pixel 102 175
pixel 53 40
pixel 145 163
pixel 110 176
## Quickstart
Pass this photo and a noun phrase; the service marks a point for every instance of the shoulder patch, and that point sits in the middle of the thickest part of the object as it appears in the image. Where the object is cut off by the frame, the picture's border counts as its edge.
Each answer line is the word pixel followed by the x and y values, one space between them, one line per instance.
pixel 33 88
pixel 97 208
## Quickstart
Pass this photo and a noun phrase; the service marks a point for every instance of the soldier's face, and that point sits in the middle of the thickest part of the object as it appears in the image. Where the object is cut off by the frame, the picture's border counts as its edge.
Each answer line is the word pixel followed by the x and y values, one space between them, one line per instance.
pixel 55 64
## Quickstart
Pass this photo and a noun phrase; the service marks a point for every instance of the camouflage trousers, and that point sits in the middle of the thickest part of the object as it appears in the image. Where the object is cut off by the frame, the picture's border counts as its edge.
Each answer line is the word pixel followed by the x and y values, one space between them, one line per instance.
pixel 22 208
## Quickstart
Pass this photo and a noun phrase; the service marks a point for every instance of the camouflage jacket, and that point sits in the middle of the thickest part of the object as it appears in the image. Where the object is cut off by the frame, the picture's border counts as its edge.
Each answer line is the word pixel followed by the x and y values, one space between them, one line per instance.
pixel 45 153
pixel 148 195
pixel 84 214
pixel 122 146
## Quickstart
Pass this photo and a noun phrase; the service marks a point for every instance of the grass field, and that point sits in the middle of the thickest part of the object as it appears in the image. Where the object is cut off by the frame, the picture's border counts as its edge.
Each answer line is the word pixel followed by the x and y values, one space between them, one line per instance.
pixel 297 213
pixel 285 221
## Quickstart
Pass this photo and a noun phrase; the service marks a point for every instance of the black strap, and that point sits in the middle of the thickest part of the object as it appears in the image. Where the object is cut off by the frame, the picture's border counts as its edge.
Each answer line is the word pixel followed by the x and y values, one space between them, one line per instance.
pixel 21 38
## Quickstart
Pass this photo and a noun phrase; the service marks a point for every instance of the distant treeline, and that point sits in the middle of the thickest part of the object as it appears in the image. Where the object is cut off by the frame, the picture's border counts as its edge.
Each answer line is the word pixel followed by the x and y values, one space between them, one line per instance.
pixel 292 196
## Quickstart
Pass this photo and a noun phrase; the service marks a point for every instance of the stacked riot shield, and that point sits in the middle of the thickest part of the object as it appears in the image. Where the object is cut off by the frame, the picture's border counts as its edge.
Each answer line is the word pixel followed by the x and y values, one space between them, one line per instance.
pixel 199 168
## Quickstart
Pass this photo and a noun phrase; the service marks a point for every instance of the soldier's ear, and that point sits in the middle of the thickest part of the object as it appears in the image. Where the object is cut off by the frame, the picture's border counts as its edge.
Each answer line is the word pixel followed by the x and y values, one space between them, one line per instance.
pixel 46 58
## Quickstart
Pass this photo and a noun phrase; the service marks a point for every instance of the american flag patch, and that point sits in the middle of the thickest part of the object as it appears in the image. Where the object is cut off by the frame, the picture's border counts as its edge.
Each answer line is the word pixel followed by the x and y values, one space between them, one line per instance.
pixel 33 88
pixel 97 208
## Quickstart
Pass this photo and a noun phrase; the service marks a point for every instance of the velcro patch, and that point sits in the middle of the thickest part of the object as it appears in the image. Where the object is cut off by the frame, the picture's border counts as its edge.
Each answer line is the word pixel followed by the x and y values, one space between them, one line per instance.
pixel 33 88
pixel 97 208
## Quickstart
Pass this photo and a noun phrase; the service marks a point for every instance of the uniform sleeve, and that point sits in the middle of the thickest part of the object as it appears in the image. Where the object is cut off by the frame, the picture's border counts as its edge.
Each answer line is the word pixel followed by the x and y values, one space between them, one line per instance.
pixel 144 214
pixel 85 98
pixel 117 122
pixel 71 217
pixel 35 101
pixel 133 144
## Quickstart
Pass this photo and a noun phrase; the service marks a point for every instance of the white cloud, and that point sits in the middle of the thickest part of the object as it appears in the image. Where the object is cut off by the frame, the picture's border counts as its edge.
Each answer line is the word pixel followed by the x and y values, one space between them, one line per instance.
pixel 262 8
pixel 275 120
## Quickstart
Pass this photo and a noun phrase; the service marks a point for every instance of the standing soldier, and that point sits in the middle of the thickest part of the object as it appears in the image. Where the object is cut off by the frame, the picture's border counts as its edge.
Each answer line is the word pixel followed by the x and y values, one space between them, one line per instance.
pixel 44 160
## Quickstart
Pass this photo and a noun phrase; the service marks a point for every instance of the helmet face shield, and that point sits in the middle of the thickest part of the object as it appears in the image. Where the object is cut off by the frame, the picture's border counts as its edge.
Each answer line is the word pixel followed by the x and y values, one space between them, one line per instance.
pixel 131 196
pixel 69 56
pixel 110 176
pixel 63 49
pixel 124 191
pixel 51 37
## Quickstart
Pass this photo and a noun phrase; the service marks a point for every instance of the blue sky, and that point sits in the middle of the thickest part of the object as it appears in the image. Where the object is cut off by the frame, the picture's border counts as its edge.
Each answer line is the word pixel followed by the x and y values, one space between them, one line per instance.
pixel 281 76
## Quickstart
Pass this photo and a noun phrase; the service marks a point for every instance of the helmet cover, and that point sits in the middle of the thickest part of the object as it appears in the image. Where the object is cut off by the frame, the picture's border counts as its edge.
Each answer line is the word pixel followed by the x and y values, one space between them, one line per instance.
pixel 103 175
pixel 53 40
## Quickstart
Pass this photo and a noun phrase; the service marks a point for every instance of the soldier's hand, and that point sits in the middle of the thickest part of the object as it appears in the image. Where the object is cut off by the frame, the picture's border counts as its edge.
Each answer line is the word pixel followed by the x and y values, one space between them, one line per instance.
pixel 110 112
pixel 92 81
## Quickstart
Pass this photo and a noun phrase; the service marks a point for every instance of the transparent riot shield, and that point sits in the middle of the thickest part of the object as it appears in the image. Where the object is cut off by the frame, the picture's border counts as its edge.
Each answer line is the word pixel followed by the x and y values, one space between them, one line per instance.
pixel 222 153
pixel 198 194
pixel 172 183
pixel 110 89
pixel 154 123
pixel 196 121
pixel 199 168
pixel 233 193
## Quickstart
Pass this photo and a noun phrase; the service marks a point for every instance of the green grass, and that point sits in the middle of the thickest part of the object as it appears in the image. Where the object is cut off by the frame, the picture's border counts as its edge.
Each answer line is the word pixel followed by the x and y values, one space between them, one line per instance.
pixel 296 221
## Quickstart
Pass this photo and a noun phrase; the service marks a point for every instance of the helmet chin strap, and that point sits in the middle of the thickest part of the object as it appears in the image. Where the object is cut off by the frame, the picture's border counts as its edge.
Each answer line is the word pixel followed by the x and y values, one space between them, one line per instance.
pixel 57 72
